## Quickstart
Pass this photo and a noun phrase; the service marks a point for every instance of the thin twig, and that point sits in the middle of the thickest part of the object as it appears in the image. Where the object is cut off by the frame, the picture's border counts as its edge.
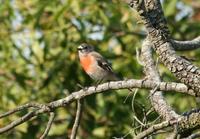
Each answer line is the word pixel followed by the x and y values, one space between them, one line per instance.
pixel 130 92
pixel 77 119
pixel 133 100
pixel 50 122
pixel 140 122
pixel 152 92
pixel 150 111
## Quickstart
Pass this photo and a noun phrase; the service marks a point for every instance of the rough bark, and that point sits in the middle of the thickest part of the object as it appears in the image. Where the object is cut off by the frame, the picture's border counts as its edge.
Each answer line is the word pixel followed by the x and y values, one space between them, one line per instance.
pixel 152 15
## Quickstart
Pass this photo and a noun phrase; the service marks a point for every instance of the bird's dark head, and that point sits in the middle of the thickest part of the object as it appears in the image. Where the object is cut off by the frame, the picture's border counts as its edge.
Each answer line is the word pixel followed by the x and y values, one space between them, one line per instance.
pixel 85 48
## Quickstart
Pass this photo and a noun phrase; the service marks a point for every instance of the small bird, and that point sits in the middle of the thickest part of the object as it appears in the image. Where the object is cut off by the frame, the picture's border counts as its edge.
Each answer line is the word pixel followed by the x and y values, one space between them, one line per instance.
pixel 95 65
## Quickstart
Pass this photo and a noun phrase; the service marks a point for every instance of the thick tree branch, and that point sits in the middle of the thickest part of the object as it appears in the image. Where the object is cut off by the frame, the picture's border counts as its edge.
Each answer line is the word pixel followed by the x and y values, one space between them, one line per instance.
pixel 152 15
pixel 157 100
pixel 131 83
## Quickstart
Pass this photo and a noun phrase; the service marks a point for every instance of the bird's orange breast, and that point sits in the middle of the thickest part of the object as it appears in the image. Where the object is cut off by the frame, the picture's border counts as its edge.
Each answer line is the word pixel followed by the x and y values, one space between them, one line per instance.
pixel 86 62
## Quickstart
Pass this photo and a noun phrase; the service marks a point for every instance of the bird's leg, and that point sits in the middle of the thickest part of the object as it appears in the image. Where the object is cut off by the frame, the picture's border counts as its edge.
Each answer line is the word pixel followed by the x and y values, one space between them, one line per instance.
pixel 97 82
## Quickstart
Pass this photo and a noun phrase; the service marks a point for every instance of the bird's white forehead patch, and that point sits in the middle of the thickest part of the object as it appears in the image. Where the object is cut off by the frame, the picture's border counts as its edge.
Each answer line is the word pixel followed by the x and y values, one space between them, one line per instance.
pixel 80 47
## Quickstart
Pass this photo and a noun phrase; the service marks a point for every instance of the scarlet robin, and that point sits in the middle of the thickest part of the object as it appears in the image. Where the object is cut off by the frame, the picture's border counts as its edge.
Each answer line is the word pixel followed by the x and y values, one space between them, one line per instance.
pixel 94 64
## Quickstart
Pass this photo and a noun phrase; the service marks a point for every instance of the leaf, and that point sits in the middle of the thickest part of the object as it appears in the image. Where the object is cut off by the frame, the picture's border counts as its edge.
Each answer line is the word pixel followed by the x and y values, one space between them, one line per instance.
pixel 104 17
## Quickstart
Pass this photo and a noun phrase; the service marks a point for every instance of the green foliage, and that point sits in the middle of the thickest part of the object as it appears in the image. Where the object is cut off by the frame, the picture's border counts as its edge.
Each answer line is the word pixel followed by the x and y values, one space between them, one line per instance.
pixel 38 62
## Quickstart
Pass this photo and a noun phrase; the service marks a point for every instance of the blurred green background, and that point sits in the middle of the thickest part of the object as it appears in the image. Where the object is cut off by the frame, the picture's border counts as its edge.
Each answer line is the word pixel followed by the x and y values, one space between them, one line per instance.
pixel 38 62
